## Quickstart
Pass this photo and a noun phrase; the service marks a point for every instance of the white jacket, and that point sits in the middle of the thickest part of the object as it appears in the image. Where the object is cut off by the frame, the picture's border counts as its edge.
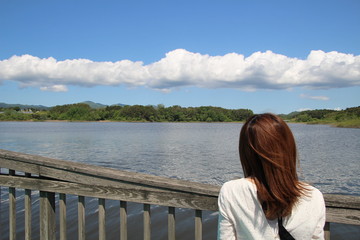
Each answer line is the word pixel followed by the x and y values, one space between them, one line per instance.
pixel 241 215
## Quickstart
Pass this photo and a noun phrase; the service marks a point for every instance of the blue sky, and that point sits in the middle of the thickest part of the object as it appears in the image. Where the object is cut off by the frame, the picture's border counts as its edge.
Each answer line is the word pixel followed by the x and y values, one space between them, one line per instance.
pixel 268 56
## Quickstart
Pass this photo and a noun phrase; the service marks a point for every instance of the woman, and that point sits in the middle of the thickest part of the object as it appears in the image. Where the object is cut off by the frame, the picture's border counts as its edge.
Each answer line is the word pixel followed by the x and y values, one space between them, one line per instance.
pixel 270 197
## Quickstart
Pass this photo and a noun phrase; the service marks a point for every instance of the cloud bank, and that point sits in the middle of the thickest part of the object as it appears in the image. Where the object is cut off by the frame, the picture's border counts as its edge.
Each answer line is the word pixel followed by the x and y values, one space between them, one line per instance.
pixel 322 98
pixel 181 68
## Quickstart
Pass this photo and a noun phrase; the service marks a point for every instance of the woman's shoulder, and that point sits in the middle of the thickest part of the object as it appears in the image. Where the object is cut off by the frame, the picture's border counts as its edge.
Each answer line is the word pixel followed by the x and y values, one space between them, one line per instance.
pixel 237 182
pixel 311 189
pixel 311 202
pixel 312 194
pixel 237 185
pixel 240 196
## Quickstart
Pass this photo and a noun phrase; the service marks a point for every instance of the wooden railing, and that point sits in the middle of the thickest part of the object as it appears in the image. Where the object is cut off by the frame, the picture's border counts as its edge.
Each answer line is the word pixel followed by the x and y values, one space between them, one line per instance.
pixel 52 176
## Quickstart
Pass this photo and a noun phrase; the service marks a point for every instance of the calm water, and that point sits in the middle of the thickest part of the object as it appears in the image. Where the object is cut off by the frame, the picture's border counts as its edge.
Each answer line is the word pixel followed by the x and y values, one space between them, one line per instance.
pixel 202 152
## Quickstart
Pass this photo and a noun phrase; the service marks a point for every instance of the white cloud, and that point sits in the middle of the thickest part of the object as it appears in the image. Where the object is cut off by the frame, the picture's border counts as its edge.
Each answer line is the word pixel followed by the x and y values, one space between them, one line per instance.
pixel 303 109
pixel 322 98
pixel 309 109
pixel 179 68
pixel 55 88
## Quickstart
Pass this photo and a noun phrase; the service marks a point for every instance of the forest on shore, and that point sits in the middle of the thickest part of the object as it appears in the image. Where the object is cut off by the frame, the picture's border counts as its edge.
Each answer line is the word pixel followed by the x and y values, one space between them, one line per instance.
pixel 134 113
pixel 349 117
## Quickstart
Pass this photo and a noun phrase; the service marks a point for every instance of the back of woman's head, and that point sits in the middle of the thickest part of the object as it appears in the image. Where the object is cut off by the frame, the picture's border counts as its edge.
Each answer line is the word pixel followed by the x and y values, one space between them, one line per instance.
pixel 268 156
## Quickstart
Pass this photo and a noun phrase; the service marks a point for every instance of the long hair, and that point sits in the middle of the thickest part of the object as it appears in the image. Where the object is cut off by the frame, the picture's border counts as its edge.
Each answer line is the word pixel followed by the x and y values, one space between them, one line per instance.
pixel 268 155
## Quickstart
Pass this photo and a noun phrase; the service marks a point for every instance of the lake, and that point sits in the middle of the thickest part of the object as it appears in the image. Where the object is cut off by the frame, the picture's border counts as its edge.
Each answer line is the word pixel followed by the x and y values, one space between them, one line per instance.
pixel 203 152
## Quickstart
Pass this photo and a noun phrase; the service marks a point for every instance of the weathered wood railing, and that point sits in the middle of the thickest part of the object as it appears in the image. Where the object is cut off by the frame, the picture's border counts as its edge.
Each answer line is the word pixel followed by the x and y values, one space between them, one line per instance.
pixel 50 176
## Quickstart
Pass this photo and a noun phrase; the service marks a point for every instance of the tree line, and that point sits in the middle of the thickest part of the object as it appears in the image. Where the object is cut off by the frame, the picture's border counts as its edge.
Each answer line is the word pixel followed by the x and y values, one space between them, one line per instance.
pixel 349 117
pixel 159 113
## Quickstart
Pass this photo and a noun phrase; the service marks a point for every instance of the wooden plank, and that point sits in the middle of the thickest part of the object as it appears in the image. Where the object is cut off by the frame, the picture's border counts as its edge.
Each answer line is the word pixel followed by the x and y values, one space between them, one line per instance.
pixel 12 210
pixel 123 220
pixel 76 177
pixel 344 216
pixel 198 225
pixel 47 216
pixel 138 194
pixel 102 220
pixel 81 218
pixel 27 206
pixel 62 216
pixel 21 160
pixel 342 201
pixel 183 200
pixel 147 222
pixel 171 224
pixel 327 231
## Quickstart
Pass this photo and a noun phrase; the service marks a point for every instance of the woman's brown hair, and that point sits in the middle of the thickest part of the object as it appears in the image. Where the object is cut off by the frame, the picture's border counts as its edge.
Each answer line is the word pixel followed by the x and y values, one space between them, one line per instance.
pixel 268 155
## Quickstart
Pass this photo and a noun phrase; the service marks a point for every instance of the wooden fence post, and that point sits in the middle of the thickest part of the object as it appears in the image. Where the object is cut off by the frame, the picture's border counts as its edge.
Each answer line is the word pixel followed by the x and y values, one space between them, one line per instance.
pixel 327 231
pixel 12 209
pixel 147 222
pixel 47 216
pixel 198 224
pixel 27 211
pixel 81 218
pixel 62 216
pixel 123 220
pixel 102 219
pixel 171 224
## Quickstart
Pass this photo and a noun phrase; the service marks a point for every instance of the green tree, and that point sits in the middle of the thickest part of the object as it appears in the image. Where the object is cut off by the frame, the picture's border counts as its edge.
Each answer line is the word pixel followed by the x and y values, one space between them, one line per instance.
pixel 73 112
pixel 304 117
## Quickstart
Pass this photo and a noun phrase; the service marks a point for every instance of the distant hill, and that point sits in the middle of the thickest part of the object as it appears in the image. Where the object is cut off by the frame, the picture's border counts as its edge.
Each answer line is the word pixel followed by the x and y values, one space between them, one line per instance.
pixel 41 107
pixel 23 106
pixel 95 105
pixel 99 105
pixel 119 104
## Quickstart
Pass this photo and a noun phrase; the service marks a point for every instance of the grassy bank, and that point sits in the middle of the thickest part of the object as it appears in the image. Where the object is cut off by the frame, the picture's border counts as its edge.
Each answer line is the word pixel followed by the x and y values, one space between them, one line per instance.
pixel 353 123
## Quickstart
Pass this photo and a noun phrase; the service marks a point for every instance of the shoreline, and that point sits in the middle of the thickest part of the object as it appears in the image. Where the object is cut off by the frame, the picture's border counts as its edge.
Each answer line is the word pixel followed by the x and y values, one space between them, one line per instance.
pixel 332 124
